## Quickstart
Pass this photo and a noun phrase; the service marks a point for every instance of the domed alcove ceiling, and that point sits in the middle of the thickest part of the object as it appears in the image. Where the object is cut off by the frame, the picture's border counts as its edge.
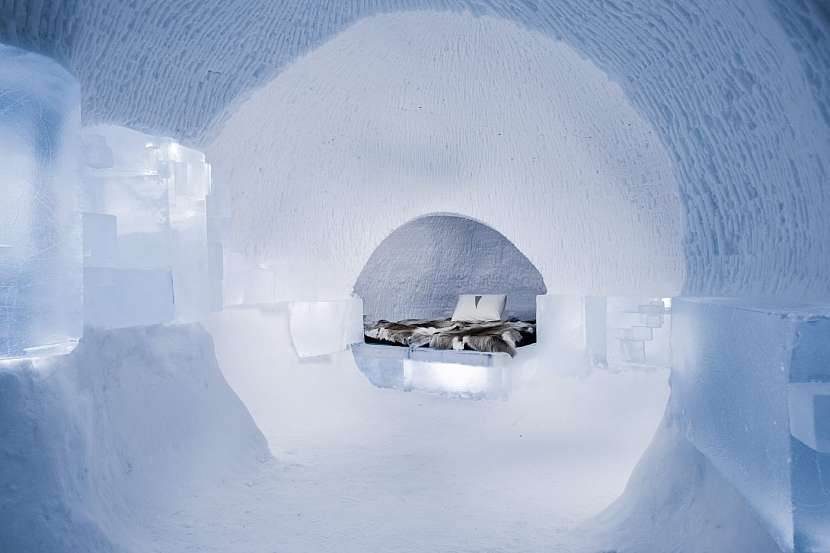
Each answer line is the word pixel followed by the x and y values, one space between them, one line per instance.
pixel 420 269
pixel 736 91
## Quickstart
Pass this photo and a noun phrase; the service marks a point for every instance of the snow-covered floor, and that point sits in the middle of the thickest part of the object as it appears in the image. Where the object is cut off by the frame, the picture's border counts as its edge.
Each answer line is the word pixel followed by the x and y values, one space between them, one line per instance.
pixel 363 469
pixel 135 443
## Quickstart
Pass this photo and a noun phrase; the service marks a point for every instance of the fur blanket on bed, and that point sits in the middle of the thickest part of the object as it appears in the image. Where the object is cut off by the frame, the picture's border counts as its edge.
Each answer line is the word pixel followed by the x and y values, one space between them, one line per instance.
pixel 447 334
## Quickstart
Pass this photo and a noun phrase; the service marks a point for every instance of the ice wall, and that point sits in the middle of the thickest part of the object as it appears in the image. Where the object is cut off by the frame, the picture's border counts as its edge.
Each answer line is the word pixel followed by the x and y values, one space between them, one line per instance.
pixel 750 383
pixel 100 446
pixel 736 91
pixel 420 270
pixel 152 230
pixel 40 230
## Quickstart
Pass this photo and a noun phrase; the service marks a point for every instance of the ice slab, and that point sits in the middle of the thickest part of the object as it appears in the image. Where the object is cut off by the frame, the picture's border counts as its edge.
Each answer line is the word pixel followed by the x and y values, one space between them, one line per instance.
pixel 100 239
pixel 449 373
pixel 748 383
pixel 41 254
pixel 325 327
pixel 119 298
pixel 561 332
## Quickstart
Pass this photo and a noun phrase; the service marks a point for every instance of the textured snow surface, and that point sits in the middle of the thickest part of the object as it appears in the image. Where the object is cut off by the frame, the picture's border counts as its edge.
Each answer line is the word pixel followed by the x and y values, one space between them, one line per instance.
pixel 677 501
pixel 382 470
pixel 100 448
pixel 135 442
pixel 410 114
pixel 420 270
pixel 736 91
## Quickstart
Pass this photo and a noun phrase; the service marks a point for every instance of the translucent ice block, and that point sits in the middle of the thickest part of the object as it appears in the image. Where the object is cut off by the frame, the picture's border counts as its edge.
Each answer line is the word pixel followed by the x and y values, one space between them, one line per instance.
pixel 40 226
pixel 117 298
pixel 748 383
pixel 156 189
pixel 450 373
pixel 325 327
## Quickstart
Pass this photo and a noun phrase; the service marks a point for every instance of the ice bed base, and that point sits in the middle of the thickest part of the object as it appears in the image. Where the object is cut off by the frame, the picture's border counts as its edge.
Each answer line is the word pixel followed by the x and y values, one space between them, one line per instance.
pixel 450 373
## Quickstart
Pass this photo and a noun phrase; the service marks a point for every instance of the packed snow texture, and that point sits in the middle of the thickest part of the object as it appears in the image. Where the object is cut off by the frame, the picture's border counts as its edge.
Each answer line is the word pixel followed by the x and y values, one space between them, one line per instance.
pixel 735 366
pixel 676 500
pixel 405 115
pixel 99 449
pixel 385 470
pixel 737 92
pixel 40 230
pixel 152 246
pixel 419 271
pixel 134 442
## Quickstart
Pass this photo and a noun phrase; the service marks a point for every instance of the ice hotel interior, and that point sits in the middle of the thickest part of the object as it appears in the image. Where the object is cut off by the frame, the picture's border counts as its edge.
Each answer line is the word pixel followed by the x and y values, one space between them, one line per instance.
pixel 415 276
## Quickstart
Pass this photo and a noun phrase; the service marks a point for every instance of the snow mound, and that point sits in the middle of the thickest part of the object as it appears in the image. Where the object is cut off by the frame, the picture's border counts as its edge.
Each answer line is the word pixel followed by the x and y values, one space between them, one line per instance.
pixel 98 445
pixel 676 501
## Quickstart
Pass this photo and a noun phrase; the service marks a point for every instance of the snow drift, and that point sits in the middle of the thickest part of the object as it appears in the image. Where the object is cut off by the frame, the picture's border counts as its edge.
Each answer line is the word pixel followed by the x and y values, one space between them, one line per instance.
pixel 98 445
pixel 676 501
pixel 134 442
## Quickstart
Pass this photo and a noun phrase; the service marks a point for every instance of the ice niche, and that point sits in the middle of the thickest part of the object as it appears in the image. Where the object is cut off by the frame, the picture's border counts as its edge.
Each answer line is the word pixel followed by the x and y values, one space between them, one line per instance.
pixel 40 234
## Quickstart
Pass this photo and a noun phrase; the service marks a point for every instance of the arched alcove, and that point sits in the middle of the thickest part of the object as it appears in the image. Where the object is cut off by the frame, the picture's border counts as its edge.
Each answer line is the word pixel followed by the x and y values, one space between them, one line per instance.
pixel 422 267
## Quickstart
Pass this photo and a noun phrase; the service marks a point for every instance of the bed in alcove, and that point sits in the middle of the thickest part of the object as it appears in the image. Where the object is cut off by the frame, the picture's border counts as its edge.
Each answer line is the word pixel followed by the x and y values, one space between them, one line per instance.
pixel 420 290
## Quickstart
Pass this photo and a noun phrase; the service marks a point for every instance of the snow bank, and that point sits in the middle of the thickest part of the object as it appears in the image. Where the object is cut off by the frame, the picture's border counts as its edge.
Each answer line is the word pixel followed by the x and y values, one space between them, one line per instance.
pixel 99 444
pixel 677 501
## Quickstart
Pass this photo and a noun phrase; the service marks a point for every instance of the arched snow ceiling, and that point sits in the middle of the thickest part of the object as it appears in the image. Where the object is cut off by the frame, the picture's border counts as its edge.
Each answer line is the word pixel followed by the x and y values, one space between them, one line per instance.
pixel 412 113
pixel 738 92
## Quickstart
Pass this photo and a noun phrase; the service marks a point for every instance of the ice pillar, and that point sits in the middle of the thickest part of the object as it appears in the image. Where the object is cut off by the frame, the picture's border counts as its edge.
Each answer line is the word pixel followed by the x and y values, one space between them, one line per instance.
pixel 40 234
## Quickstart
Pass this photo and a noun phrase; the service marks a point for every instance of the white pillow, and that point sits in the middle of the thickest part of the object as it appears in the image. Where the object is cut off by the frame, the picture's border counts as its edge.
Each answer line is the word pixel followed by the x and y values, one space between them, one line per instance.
pixel 479 307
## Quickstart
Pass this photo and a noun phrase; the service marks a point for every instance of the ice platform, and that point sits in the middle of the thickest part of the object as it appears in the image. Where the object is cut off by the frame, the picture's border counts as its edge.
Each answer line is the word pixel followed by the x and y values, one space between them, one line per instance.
pixel 450 373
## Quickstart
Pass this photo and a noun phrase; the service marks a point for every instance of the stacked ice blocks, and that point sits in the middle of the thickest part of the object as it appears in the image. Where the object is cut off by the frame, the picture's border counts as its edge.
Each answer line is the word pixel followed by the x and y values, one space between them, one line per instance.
pixel 152 253
pixel 751 385
pixel 40 234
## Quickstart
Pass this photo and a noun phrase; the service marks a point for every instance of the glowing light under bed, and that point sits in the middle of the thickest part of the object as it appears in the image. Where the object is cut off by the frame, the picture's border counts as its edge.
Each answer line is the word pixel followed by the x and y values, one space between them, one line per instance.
pixel 454 378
